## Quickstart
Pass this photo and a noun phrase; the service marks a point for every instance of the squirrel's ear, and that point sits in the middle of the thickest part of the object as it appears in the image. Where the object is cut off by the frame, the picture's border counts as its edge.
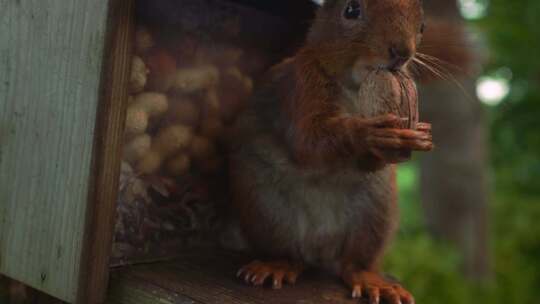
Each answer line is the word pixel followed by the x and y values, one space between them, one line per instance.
pixel 319 2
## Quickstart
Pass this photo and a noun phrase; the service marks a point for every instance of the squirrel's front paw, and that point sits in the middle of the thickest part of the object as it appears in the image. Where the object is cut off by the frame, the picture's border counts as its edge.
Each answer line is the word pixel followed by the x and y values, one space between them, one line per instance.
pixel 424 127
pixel 400 139
pixel 376 288
pixel 394 145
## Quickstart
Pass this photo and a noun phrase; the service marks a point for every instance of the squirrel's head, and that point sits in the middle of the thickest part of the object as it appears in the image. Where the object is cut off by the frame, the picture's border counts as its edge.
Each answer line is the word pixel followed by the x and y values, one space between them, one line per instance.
pixel 374 33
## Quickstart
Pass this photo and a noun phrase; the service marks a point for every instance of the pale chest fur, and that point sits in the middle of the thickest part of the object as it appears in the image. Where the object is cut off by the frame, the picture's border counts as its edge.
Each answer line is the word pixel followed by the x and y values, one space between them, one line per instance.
pixel 315 208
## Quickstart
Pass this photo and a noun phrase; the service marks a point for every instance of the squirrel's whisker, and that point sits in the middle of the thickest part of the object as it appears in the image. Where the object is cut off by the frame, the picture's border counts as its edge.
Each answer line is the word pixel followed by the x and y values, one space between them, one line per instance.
pixel 429 68
pixel 442 73
pixel 439 61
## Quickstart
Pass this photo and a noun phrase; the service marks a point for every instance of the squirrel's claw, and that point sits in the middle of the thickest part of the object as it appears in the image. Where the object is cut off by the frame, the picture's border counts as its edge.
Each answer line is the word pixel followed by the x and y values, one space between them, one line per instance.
pixel 256 273
pixel 424 127
pixel 376 288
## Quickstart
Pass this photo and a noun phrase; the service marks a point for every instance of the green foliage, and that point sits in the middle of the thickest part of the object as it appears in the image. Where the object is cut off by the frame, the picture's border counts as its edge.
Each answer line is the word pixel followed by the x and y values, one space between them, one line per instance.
pixel 513 31
pixel 428 270
pixel 517 247
pixel 431 269
pixel 513 34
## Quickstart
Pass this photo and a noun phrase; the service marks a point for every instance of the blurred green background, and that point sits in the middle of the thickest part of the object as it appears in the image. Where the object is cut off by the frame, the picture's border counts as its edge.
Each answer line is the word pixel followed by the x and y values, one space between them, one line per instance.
pixel 431 268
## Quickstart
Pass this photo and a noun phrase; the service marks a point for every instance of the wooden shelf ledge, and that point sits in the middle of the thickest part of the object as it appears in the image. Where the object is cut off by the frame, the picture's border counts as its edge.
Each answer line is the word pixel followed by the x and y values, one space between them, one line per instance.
pixel 210 279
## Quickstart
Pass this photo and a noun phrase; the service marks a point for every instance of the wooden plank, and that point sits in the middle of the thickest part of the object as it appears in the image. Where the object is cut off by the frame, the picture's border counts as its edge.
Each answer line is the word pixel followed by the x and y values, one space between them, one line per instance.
pixel 209 278
pixel 50 71
pixel 107 153
pixel 136 291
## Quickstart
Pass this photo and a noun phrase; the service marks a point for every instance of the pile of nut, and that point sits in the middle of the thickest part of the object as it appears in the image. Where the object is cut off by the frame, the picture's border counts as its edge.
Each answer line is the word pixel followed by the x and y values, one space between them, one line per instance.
pixel 182 100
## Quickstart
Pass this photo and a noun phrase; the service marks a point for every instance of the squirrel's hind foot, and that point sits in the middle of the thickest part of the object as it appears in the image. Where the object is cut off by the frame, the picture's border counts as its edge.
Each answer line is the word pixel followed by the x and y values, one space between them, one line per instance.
pixel 376 288
pixel 257 272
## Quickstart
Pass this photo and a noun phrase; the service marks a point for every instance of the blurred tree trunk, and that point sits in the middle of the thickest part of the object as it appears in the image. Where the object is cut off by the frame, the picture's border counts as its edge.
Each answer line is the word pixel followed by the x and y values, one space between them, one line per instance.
pixel 454 175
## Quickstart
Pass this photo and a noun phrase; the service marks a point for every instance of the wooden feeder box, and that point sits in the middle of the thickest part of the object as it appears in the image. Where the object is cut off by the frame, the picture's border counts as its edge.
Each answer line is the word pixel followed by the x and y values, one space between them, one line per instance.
pixel 65 71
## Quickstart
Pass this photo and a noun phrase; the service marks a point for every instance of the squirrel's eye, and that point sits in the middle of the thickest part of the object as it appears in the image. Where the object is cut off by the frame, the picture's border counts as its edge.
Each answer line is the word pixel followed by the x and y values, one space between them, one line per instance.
pixel 353 10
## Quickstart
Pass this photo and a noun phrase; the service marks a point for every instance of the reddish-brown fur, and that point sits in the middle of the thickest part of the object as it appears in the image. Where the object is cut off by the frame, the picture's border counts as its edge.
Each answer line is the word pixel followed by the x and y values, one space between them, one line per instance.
pixel 314 183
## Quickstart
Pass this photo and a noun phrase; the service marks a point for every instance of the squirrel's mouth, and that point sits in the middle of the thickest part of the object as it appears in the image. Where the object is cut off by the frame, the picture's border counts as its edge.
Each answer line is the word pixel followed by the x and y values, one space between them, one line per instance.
pixel 391 67
pixel 386 68
pixel 394 66
pixel 364 70
pixel 398 64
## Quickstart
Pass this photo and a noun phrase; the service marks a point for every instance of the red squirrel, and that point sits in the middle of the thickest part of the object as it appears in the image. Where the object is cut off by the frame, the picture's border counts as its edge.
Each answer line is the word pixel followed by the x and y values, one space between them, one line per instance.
pixel 312 166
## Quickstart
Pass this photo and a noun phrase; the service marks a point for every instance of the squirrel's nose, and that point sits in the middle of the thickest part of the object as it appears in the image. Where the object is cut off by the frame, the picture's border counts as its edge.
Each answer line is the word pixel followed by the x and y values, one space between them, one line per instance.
pixel 398 57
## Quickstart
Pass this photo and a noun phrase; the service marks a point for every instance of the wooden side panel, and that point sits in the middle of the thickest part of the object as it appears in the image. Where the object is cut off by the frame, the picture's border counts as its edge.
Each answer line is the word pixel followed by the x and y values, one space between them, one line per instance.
pixel 51 61
pixel 107 159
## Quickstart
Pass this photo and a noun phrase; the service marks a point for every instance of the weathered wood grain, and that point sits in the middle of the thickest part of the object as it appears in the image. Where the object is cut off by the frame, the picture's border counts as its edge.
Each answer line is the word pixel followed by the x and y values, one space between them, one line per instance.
pixel 209 278
pixel 136 291
pixel 107 156
pixel 51 61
